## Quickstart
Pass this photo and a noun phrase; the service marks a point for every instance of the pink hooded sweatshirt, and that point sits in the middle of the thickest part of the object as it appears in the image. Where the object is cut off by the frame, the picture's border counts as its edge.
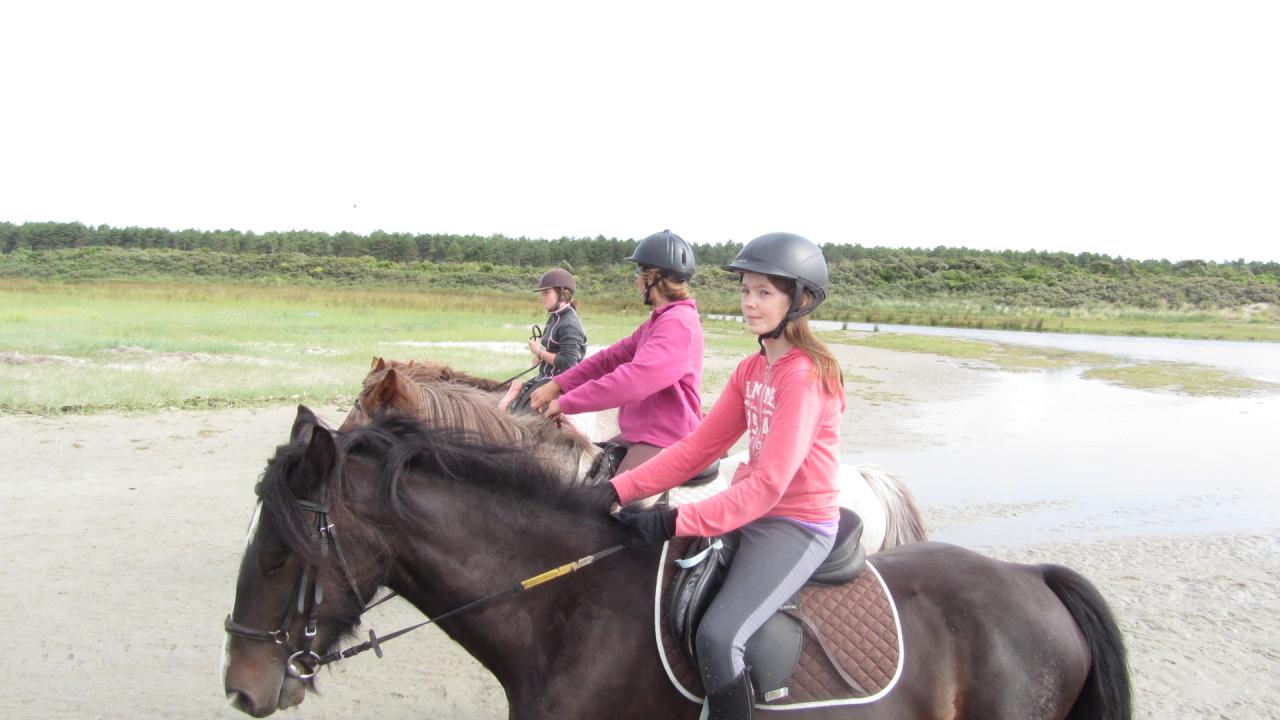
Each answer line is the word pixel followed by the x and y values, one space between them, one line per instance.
pixel 653 377
pixel 793 456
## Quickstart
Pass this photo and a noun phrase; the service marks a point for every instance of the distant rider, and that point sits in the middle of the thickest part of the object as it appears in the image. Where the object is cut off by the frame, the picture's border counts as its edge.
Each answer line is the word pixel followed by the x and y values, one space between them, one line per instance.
pixel 562 342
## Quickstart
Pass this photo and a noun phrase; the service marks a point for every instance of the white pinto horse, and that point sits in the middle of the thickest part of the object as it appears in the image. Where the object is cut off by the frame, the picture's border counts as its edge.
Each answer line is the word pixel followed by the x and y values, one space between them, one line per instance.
pixel 888 510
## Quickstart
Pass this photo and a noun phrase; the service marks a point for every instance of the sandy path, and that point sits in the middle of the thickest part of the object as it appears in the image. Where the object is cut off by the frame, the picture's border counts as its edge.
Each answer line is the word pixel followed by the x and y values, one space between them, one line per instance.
pixel 123 534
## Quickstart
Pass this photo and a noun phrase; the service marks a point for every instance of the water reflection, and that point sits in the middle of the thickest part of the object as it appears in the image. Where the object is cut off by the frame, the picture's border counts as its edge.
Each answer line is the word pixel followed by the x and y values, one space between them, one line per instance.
pixel 1047 456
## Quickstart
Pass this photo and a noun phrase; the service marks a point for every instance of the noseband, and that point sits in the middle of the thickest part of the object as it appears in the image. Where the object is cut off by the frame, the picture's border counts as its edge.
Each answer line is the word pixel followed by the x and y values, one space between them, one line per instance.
pixel 304 663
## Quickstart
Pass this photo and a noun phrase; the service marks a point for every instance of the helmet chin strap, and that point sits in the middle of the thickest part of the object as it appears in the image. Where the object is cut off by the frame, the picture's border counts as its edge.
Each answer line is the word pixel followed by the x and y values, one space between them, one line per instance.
pixel 793 313
pixel 773 334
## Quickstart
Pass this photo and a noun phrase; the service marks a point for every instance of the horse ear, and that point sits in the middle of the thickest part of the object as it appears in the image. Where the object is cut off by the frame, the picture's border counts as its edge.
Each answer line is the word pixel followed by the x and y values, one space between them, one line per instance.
pixel 316 464
pixel 378 364
pixel 303 424
pixel 385 391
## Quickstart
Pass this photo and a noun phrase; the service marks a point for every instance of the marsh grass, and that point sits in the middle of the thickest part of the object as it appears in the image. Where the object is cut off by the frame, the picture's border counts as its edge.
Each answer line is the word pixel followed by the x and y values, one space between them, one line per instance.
pixel 1256 322
pixel 140 346
pixel 1183 378
pixel 1186 379
pixel 1006 357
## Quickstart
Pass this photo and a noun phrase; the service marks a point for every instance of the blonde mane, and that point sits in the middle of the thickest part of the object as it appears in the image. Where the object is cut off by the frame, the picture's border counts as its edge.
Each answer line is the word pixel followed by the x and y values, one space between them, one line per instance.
pixel 420 390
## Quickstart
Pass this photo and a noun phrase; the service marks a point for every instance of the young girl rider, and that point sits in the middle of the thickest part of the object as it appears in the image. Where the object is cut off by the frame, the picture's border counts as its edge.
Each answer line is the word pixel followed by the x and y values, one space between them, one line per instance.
pixel 559 346
pixel 563 341
pixel 654 376
pixel 789 399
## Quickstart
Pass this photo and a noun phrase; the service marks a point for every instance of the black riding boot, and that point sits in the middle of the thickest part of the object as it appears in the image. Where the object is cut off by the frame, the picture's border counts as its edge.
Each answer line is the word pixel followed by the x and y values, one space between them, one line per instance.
pixel 732 702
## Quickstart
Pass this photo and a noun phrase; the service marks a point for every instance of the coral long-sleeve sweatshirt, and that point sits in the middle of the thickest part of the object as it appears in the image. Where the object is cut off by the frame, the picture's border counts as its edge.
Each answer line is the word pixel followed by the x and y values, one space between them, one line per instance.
pixel 793 457
pixel 653 377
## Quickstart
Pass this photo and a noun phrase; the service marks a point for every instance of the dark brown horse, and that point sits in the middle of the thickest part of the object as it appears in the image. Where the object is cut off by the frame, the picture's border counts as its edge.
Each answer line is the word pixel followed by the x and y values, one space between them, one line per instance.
pixel 444 519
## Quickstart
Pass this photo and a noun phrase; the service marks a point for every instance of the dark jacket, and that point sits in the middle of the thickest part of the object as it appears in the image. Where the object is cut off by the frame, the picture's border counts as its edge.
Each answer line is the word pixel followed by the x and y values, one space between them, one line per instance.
pixel 564 336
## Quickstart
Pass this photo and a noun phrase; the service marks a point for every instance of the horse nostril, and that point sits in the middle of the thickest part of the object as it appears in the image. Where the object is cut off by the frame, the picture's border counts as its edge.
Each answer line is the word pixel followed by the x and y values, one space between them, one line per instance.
pixel 242 702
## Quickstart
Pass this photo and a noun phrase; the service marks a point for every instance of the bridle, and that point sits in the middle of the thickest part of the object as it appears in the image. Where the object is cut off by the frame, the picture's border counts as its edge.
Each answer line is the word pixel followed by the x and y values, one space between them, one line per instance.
pixel 307 602
pixel 303 663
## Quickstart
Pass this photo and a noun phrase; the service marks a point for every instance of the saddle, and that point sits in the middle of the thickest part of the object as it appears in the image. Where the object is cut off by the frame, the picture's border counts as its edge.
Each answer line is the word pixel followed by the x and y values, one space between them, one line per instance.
pixel 840 600
pixel 605 466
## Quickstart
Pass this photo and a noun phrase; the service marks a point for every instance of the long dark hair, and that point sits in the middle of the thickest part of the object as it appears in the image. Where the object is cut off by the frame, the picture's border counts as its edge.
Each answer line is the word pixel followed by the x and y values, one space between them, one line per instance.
pixel 797 332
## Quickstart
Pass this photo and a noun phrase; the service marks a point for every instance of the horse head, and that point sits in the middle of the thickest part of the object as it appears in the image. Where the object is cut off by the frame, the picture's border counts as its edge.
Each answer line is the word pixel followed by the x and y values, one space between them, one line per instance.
pixel 296 594
pixel 385 388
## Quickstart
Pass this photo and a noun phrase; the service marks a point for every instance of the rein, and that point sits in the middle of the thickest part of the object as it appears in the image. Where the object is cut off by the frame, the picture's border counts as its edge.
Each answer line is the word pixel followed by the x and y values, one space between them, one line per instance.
pixel 310 661
pixel 375 643
pixel 517 376
pixel 535 334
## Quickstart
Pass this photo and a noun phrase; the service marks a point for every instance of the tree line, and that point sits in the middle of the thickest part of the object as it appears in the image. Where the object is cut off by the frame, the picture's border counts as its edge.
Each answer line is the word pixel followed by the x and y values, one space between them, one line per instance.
pixel 859 273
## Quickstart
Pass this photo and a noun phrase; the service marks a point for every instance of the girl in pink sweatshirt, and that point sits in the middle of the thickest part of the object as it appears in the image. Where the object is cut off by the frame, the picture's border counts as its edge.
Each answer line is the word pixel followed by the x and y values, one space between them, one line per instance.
pixel 653 377
pixel 789 400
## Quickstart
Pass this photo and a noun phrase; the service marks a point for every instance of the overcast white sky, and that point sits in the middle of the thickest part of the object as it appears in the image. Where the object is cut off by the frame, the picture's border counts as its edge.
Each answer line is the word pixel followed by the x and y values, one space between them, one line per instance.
pixel 1141 129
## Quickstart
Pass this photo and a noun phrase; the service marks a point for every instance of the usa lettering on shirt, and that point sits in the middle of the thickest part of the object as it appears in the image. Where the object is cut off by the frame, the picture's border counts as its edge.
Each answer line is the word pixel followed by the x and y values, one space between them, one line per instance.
pixel 758 401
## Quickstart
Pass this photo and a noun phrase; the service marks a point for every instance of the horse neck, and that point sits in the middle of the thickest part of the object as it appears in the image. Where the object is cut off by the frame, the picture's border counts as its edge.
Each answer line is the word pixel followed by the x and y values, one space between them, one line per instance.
pixel 573 627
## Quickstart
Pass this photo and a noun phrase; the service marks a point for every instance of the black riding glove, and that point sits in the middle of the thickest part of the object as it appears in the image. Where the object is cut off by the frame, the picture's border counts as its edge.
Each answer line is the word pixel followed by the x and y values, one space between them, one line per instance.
pixel 647 527
pixel 602 495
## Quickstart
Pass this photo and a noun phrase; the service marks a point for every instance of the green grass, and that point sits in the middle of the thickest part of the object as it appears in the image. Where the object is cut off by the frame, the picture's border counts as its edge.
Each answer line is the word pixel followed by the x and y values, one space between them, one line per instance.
pixel 139 346
pixel 1006 357
pixel 1233 324
pixel 1181 378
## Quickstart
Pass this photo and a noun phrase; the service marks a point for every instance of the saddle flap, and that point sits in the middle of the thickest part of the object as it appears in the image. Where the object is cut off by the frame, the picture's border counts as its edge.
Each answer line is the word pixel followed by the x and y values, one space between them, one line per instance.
pixel 693 589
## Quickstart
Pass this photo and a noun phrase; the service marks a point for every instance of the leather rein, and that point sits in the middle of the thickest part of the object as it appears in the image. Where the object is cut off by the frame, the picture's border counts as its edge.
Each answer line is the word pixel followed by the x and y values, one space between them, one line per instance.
pixel 303 662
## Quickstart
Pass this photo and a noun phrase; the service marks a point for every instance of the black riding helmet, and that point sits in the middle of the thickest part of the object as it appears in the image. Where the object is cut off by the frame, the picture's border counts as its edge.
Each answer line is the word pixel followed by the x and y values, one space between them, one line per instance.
pixel 790 256
pixel 669 253
pixel 666 251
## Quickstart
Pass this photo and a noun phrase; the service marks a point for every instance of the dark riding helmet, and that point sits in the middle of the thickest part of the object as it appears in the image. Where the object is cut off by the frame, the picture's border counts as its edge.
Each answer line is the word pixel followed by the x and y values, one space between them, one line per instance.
pixel 667 251
pixel 556 278
pixel 788 256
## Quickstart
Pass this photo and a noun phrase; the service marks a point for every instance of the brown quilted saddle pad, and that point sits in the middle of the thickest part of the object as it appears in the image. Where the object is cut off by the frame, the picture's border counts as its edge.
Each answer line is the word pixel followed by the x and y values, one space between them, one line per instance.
pixel 858 621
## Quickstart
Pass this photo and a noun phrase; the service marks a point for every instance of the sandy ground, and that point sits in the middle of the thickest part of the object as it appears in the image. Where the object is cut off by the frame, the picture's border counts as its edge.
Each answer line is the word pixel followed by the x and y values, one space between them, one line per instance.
pixel 122 535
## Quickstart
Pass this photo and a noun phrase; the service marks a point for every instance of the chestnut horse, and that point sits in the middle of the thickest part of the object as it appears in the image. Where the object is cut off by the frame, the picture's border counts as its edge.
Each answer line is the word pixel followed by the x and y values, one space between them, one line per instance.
pixel 445 518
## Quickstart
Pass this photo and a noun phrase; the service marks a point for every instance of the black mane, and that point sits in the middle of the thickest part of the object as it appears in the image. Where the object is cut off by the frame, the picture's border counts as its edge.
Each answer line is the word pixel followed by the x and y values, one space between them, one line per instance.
pixel 401 446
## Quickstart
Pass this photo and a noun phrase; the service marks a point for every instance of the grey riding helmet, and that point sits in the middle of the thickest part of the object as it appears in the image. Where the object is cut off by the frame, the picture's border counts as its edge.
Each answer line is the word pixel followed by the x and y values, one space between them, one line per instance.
pixel 556 278
pixel 667 251
pixel 789 256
